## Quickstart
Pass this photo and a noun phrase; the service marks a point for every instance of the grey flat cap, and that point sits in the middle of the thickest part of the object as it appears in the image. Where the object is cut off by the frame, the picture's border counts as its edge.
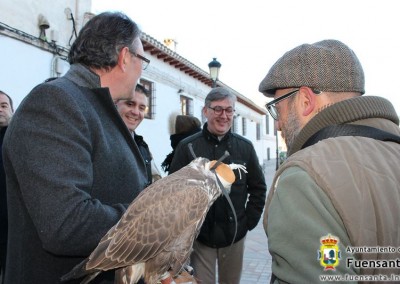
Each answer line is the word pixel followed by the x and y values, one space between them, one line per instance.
pixel 328 65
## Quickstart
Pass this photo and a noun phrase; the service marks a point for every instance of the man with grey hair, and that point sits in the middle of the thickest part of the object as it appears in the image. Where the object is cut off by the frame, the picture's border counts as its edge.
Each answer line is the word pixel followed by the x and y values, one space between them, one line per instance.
pixel 213 245
pixel 340 186
pixel 72 166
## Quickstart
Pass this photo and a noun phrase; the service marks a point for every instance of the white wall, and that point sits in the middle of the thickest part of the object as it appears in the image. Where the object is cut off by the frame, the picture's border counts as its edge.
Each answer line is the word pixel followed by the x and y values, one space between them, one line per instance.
pixel 24 14
pixel 25 66
pixel 167 82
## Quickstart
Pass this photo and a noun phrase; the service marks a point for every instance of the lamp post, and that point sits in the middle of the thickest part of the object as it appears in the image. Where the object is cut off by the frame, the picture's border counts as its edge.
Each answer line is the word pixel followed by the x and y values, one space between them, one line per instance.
pixel 277 150
pixel 214 66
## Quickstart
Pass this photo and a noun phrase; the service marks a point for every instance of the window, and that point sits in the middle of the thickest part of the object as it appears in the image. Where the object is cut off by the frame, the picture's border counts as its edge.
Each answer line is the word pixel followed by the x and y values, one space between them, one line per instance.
pixel 267 124
pixel 258 131
pixel 149 86
pixel 235 124
pixel 203 118
pixel 244 126
pixel 186 106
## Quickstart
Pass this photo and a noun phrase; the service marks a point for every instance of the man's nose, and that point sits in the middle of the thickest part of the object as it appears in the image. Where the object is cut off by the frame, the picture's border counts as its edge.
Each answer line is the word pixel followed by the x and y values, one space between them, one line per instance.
pixel 135 110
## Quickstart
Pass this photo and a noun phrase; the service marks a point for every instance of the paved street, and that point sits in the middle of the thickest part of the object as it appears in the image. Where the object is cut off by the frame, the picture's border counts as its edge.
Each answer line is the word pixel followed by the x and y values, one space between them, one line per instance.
pixel 257 260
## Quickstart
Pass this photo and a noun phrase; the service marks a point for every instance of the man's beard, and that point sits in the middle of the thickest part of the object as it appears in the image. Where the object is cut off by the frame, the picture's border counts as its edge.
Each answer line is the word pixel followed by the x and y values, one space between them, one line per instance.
pixel 291 127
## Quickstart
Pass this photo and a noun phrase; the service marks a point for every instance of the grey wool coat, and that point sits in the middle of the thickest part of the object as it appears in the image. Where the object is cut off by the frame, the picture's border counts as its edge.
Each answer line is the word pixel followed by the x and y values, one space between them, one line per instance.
pixel 72 169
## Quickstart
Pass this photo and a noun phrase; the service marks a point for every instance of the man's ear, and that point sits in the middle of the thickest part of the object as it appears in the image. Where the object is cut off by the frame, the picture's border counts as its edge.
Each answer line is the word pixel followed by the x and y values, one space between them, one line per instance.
pixel 307 100
pixel 123 58
pixel 205 109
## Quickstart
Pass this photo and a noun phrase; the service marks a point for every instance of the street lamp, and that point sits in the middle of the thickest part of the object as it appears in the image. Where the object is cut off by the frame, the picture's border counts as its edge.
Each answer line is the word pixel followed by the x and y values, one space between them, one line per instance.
pixel 277 150
pixel 214 66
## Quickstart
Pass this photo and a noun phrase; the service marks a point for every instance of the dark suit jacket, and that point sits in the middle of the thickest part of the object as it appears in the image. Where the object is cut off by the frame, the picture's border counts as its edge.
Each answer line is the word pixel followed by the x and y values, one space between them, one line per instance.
pixel 72 169
pixel 146 154
pixel 3 205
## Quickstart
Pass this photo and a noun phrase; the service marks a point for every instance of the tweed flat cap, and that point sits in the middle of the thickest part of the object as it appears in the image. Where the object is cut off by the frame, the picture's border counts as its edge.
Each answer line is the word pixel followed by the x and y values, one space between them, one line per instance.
pixel 328 65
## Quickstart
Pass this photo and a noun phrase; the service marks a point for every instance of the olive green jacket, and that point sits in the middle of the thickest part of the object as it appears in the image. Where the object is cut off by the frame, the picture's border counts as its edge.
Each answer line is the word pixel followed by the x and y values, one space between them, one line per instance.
pixel 347 187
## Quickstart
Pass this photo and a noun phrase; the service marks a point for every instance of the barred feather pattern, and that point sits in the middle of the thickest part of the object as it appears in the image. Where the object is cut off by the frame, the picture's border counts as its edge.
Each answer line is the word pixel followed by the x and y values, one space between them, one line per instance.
pixel 157 231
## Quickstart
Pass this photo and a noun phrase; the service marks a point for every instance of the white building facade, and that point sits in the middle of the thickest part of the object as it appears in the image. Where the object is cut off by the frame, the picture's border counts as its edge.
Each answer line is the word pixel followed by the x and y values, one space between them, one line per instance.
pixel 34 42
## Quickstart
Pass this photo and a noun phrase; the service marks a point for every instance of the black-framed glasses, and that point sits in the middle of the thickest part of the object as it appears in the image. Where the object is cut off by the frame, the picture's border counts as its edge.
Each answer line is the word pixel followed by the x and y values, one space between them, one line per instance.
pixel 271 106
pixel 146 61
pixel 218 110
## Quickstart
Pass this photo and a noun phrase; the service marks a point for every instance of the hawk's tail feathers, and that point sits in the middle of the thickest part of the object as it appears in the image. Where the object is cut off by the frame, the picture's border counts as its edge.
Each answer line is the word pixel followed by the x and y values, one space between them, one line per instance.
pixel 79 271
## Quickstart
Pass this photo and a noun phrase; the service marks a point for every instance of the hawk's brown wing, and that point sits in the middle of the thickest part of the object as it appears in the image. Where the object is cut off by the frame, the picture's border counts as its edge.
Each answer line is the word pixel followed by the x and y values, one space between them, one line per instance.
pixel 155 219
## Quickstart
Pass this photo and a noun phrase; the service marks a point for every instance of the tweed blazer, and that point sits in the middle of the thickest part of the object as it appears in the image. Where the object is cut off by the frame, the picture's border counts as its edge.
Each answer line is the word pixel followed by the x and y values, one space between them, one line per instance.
pixel 72 169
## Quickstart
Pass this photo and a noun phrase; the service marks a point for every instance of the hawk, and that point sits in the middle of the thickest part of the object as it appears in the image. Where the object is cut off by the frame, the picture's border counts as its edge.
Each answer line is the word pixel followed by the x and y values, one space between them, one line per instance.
pixel 157 231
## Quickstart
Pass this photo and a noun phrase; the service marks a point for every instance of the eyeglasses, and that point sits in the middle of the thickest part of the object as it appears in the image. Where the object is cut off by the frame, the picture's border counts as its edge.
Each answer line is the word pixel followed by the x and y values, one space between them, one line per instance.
pixel 271 106
pixel 146 61
pixel 218 110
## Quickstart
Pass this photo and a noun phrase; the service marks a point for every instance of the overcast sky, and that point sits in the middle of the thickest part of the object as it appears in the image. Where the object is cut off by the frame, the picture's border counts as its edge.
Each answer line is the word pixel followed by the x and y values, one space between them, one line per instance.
pixel 247 37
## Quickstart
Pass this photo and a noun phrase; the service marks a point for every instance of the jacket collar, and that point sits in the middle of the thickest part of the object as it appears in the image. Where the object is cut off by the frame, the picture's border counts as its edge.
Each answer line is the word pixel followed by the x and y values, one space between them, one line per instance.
pixel 213 137
pixel 347 111
pixel 138 138
pixel 83 76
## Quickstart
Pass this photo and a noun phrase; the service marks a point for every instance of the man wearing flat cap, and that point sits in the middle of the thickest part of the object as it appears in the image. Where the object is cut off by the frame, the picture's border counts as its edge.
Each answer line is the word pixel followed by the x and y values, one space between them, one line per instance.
pixel 339 189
